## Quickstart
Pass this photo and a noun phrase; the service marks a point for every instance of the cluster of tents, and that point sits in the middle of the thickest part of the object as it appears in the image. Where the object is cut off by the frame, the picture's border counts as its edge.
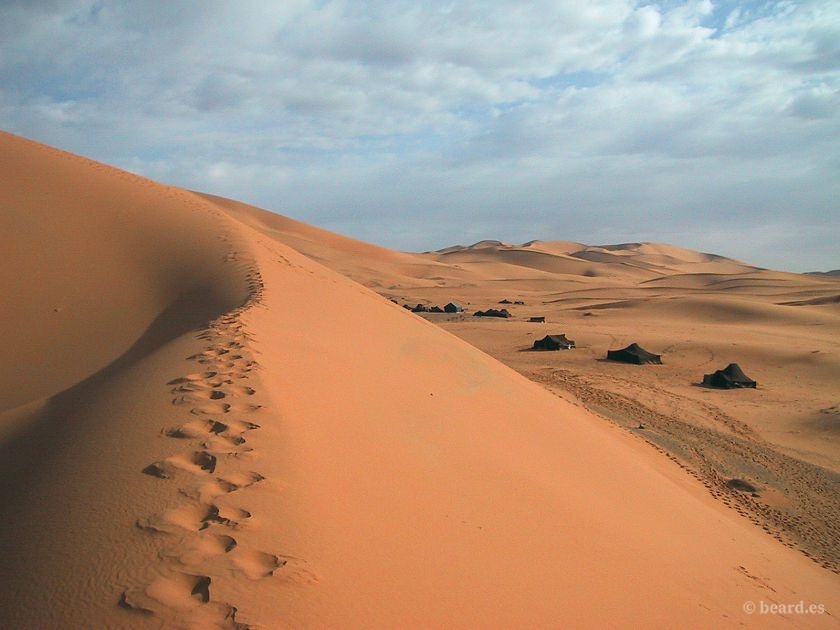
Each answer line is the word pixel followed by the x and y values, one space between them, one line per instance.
pixel 452 307
pixel 492 312
pixel 730 377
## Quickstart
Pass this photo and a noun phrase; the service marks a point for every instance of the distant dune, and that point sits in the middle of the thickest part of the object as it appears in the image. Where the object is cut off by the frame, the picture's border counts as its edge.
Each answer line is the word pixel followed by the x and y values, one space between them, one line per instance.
pixel 202 425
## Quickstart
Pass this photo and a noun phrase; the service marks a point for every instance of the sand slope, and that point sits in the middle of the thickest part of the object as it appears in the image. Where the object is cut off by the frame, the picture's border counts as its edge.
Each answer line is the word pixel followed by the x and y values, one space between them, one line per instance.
pixel 254 439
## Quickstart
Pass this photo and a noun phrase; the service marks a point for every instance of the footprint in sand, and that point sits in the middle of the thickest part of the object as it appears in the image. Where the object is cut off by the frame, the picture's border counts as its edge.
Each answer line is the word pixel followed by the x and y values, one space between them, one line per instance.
pixel 196 394
pixel 184 399
pixel 176 591
pixel 159 470
pixel 207 492
pixel 256 564
pixel 240 426
pixel 194 517
pixel 227 515
pixel 198 429
pixel 198 549
pixel 226 445
pixel 195 462
pixel 243 479
pixel 239 390
pixel 211 409
pixel 186 388
pixel 219 437
pixel 211 490
pixel 181 590
pixel 191 378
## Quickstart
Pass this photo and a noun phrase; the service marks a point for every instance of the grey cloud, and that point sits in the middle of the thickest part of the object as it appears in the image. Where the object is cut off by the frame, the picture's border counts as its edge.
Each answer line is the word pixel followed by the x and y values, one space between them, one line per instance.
pixel 410 123
pixel 817 103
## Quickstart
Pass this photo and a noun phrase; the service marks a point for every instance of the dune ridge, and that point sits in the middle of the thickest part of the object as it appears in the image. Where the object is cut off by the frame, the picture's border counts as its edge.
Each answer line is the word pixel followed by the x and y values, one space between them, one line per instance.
pixel 246 438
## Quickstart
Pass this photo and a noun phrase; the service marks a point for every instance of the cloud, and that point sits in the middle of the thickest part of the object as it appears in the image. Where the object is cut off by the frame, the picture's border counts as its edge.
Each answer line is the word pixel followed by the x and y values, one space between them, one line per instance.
pixel 415 124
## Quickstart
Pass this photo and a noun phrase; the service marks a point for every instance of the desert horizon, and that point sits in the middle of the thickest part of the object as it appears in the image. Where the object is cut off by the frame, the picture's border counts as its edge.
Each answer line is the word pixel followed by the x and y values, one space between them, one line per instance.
pixel 215 416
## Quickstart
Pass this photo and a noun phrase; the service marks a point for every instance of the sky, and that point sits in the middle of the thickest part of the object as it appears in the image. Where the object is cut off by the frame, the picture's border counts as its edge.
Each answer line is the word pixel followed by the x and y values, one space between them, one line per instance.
pixel 713 125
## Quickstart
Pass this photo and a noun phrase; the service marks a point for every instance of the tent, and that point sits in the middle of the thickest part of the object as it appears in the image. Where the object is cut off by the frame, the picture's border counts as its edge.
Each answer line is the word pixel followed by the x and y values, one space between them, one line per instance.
pixel 729 377
pixel 453 307
pixel 633 353
pixel 554 342
pixel 540 319
pixel 492 312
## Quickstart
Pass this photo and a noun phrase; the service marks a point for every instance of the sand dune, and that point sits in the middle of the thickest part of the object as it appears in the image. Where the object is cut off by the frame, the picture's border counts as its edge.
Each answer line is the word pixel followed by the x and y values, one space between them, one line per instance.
pixel 369 264
pixel 91 245
pixel 215 430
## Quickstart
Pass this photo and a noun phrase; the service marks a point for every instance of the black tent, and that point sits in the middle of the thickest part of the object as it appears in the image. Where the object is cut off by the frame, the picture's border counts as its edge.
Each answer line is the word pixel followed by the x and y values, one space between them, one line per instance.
pixel 633 353
pixel 729 377
pixel 453 307
pixel 492 312
pixel 554 342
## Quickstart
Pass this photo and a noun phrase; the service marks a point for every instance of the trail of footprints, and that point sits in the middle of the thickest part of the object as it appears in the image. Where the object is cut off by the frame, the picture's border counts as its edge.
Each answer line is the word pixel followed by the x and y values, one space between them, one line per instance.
pixel 204 527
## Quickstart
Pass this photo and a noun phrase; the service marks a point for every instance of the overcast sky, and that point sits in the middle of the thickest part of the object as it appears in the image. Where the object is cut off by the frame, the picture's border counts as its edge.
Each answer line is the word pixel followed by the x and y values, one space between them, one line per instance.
pixel 714 125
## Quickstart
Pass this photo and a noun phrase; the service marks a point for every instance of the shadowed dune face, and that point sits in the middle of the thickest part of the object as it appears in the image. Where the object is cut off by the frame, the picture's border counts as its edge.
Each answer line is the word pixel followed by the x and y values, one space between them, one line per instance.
pixel 93 256
pixel 111 277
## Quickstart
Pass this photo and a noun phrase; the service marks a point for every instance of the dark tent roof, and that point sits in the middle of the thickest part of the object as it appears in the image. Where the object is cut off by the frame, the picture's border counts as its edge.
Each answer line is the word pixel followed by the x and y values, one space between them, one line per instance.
pixel 492 312
pixel 453 307
pixel 633 353
pixel 554 342
pixel 729 377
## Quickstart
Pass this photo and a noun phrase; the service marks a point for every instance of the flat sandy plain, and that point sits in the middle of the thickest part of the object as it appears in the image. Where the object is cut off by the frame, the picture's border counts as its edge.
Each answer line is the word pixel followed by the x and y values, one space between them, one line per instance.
pixel 214 416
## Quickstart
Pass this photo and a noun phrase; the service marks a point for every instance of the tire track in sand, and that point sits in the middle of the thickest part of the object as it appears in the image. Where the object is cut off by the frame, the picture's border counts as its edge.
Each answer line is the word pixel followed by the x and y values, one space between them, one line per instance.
pixel 794 501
